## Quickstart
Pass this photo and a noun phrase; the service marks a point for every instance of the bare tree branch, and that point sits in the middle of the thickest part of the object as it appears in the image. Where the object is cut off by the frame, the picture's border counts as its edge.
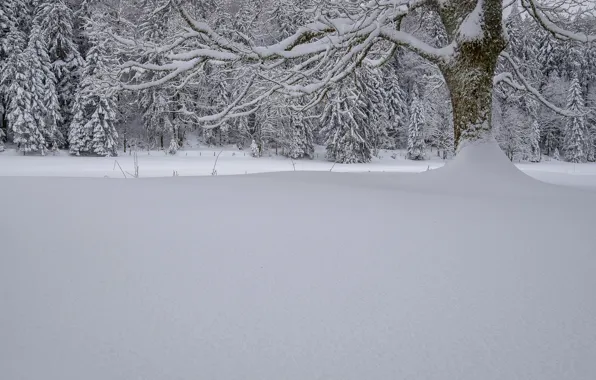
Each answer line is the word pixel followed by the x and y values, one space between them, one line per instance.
pixel 526 86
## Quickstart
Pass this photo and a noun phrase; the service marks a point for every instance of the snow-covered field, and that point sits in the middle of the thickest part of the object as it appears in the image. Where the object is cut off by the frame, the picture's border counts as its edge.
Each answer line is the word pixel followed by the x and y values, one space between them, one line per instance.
pixel 473 271
pixel 200 162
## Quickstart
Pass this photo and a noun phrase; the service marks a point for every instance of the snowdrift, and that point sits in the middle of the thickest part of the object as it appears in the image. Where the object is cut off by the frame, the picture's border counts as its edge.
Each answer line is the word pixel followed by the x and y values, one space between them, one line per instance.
pixel 482 169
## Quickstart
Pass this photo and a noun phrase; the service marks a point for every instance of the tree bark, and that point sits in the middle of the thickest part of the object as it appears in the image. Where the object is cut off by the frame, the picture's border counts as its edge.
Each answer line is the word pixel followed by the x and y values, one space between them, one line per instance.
pixel 469 75
pixel 471 91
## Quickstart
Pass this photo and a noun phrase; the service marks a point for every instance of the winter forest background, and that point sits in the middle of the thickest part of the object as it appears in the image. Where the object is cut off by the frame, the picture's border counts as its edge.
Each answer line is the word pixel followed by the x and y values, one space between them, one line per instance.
pixel 60 75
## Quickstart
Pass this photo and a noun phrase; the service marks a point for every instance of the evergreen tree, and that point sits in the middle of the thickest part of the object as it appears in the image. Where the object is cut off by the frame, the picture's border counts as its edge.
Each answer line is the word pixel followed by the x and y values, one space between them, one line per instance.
pixel 6 25
pixel 56 20
pixel 372 107
pixel 93 126
pixel 395 100
pixel 156 116
pixel 509 129
pixel 301 140
pixel 416 145
pixel 81 15
pixel 254 149
pixel 445 139
pixel 174 146
pixel 535 155
pixel 24 106
pixel 102 122
pixel 44 85
pixel 30 87
pixel 344 127
pixel 12 41
pixel 555 89
pixel 574 139
pixel 80 135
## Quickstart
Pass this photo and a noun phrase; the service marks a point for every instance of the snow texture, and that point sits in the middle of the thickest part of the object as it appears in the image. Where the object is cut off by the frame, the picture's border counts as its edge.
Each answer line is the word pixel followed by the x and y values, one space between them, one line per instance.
pixel 300 276
pixel 472 27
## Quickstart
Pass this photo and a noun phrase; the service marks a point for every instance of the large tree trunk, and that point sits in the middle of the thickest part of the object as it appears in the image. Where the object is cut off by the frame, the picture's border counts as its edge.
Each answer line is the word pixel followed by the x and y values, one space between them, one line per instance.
pixel 469 75
pixel 471 90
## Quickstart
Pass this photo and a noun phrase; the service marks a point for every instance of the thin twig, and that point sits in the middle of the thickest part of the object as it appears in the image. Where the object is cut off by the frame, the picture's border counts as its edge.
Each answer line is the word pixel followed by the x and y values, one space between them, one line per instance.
pixel 335 163
pixel 214 172
pixel 117 163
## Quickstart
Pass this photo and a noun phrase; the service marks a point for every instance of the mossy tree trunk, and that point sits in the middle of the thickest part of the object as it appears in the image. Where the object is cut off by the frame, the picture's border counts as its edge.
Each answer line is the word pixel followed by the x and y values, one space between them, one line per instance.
pixel 469 73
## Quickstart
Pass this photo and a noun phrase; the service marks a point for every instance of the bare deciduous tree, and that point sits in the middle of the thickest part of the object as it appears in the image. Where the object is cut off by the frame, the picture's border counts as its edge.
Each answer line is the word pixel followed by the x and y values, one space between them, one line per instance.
pixel 345 35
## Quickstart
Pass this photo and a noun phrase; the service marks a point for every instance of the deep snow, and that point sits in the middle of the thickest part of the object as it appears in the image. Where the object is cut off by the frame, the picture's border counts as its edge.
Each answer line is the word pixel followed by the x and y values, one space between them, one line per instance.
pixel 200 161
pixel 299 276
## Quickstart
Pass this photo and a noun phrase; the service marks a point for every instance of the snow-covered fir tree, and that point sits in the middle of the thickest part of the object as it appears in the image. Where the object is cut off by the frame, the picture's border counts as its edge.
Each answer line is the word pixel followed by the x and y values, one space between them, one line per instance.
pixel 345 128
pixel 375 112
pixel 552 124
pixel 255 151
pixel 535 155
pixel 416 145
pixel 29 86
pixel 12 41
pixel 44 85
pixel 395 100
pixel 56 20
pixel 574 143
pixel 24 106
pixel 103 120
pixel 157 118
pixel 301 139
pixel 93 129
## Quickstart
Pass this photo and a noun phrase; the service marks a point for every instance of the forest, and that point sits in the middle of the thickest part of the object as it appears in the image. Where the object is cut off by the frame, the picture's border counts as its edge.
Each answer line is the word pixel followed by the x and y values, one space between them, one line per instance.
pixel 63 86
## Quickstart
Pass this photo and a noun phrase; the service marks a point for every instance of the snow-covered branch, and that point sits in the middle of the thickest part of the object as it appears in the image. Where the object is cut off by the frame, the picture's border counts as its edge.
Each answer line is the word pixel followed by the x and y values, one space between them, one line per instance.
pixel 539 12
pixel 526 86
pixel 318 55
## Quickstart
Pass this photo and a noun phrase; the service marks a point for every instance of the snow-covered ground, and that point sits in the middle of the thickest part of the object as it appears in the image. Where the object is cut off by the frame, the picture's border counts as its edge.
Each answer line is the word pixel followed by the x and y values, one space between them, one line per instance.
pixel 473 271
pixel 200 162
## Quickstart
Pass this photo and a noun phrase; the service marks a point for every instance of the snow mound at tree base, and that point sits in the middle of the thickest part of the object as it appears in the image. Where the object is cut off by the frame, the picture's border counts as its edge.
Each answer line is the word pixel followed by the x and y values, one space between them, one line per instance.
pixel 480 168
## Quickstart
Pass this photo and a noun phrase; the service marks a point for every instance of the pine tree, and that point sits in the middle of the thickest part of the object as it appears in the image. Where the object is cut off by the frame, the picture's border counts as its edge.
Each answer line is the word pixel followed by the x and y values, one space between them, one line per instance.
pixel 43 84
pixel 344 129
pixel 105 137
pixel 372 107
pixel 574 139
pixel 7 23
pixel 445 139
pixel 395 100
pixel 301 140
pixel 254 149
pixel 56 20
pixel 24 106
pixel 535 155
pixel 552 124
pixel 157 117
pixel 173 147
pixel 510 126
pixel 12 41
pixel 30 88
pixel 416 145
pixel 556 154
pixel 93 126
pixel 80 135
pixel 81 14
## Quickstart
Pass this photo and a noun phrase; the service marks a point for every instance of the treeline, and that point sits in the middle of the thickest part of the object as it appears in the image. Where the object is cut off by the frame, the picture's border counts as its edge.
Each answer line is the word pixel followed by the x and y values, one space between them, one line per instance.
pixel 61 64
